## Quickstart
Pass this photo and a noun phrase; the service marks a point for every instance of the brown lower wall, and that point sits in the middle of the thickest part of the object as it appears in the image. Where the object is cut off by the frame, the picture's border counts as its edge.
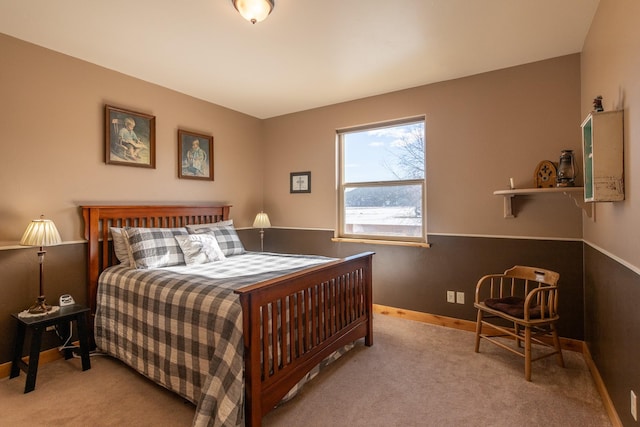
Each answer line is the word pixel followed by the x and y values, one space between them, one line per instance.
pixel 612 328
pixel 404 277
pixel 418 278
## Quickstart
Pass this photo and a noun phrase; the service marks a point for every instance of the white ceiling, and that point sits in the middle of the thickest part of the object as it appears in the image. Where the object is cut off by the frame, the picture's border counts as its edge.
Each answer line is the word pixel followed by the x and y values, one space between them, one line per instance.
pixel 308 53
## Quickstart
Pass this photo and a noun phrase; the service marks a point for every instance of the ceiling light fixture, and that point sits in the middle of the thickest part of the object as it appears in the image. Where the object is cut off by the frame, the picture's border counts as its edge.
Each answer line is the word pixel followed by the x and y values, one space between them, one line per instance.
pixel 254 10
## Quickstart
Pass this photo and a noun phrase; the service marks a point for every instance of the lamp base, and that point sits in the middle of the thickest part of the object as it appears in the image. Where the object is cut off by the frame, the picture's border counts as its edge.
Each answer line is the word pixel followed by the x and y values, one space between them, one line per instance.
pixel 40 306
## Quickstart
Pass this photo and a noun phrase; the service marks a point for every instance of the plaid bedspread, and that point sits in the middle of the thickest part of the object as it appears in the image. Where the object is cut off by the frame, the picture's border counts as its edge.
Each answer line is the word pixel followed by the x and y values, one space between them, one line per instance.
pixel 182 326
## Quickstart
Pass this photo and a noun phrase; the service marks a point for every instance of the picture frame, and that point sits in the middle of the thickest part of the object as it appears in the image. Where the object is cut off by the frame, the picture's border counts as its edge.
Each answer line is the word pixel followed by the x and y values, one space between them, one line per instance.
pixel 195 156
pixel 300 182
pixel 130 138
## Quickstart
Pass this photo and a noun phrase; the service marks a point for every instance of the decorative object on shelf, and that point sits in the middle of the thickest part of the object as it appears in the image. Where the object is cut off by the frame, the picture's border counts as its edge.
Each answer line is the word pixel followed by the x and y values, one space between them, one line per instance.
pixel 195 156
pixel 545 175
pixel 597 104
pixel 130 138
pixel 300 182
pixel 254 10
pixel 262 222
pixel 41 232
pixel 566 169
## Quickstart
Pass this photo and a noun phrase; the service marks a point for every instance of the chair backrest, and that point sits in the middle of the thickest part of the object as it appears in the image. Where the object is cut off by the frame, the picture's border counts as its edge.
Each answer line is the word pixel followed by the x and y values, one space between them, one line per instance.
pixel 116 123
pixel 533 273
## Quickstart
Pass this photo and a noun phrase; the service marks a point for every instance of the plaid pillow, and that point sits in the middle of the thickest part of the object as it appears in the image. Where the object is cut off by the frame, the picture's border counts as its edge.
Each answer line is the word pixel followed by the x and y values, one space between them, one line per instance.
pixel 155 247
pixel 193 228
pixel 227 238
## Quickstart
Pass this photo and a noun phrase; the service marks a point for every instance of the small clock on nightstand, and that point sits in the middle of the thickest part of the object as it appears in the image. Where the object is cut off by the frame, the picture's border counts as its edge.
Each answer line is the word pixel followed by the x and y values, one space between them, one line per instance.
pixel 300 182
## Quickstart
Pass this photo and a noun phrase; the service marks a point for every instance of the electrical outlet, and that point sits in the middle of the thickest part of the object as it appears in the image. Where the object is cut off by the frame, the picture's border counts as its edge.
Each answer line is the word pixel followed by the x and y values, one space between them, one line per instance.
pixel 451 296
pixel 634 406
pixel 460 297
pixel 50 328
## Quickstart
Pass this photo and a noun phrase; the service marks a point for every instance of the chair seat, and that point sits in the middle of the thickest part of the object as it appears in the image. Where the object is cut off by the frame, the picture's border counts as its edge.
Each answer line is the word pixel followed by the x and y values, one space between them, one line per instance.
pixel 513 318
pixel 514 306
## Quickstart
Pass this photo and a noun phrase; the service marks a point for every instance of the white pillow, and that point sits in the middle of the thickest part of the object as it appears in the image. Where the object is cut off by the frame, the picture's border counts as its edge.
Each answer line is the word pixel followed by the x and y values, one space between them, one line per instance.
pixel 200 248
pixel 193 227
pixel 120 246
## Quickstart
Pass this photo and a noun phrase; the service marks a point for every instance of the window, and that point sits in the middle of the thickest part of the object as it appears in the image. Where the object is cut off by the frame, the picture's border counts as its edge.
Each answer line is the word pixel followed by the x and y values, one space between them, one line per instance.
pixel 382 184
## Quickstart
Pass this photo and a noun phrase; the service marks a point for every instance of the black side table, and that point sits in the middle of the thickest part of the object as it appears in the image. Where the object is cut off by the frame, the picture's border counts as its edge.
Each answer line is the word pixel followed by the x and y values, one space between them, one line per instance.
pixel 38 324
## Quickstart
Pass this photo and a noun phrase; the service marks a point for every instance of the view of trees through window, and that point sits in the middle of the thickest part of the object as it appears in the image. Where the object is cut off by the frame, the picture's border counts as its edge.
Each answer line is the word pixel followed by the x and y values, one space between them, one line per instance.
pixel 383 181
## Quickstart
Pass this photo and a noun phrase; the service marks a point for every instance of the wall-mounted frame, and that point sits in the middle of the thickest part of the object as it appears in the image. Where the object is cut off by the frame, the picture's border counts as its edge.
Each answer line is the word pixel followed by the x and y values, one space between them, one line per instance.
pixel 300 182
pixel 195 156
pixel 130 138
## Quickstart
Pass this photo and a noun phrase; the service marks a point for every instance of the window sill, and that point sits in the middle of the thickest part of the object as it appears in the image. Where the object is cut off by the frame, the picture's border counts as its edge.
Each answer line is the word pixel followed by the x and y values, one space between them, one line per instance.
pixel 382 242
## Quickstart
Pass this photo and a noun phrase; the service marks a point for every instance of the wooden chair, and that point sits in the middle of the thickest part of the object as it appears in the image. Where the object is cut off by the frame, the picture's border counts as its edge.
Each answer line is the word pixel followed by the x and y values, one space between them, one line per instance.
pixel 526 297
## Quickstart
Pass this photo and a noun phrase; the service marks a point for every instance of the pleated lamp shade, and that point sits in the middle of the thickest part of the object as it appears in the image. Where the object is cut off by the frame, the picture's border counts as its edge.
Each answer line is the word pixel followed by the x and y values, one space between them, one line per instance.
pixel 41 232
pixel 262 221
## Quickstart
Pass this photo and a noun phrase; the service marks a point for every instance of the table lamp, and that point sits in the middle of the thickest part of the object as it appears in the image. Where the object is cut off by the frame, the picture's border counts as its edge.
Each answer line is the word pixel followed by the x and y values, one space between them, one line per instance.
pixel 262 222
pixel 41 232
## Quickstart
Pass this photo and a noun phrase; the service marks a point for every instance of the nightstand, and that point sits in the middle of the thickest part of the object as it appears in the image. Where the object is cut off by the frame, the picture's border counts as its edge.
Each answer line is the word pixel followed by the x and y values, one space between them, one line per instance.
pixel 62 318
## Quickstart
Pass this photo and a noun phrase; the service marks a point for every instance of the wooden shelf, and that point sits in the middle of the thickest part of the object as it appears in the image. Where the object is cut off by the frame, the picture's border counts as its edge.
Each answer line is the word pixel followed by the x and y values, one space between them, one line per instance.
pixel 572 192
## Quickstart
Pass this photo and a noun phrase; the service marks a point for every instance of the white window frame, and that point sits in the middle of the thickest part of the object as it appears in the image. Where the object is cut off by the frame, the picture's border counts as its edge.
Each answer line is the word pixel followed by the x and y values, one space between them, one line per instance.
pixel 342 186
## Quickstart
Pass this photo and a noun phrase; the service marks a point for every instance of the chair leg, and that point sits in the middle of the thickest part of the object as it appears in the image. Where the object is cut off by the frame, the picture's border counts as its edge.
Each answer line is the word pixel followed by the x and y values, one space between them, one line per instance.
pixel 478 331
pixel 527 353
pixel 556 344
pixel 516 329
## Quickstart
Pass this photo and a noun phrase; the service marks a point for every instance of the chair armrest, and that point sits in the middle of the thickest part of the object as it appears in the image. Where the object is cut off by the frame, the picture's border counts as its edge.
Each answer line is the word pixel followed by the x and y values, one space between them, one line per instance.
pixel 548 302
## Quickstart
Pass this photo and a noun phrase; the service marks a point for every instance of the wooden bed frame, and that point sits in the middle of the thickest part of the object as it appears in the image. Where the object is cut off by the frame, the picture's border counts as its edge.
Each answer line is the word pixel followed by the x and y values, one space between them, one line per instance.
pixel 335 298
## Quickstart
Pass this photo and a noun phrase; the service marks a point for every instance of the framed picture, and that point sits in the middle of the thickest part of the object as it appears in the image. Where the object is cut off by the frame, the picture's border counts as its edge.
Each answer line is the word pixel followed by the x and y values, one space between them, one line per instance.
pixel 130 138
pixel 195 156
pixel 300 182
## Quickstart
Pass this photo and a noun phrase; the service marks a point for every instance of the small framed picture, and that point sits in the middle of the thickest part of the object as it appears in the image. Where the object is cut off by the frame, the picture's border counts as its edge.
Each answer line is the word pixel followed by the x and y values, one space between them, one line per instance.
pixel 195 156
pixel 300 182
pixel 130 138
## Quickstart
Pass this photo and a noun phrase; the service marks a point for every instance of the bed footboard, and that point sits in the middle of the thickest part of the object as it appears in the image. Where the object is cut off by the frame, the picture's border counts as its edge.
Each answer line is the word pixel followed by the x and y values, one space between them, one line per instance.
pixel 293 322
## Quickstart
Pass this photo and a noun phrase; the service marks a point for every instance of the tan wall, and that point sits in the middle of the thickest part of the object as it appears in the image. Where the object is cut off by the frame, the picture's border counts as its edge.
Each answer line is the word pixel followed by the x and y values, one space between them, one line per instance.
pixel 480 131
pixel 52 144
pixel 611 68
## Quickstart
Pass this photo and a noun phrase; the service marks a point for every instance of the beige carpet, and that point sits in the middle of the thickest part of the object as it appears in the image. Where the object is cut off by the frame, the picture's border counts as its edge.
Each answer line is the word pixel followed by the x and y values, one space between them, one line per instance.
pixel 414 375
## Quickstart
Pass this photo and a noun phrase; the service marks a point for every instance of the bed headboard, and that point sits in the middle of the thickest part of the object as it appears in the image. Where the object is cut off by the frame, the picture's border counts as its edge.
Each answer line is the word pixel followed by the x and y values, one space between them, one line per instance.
pixel 98 219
